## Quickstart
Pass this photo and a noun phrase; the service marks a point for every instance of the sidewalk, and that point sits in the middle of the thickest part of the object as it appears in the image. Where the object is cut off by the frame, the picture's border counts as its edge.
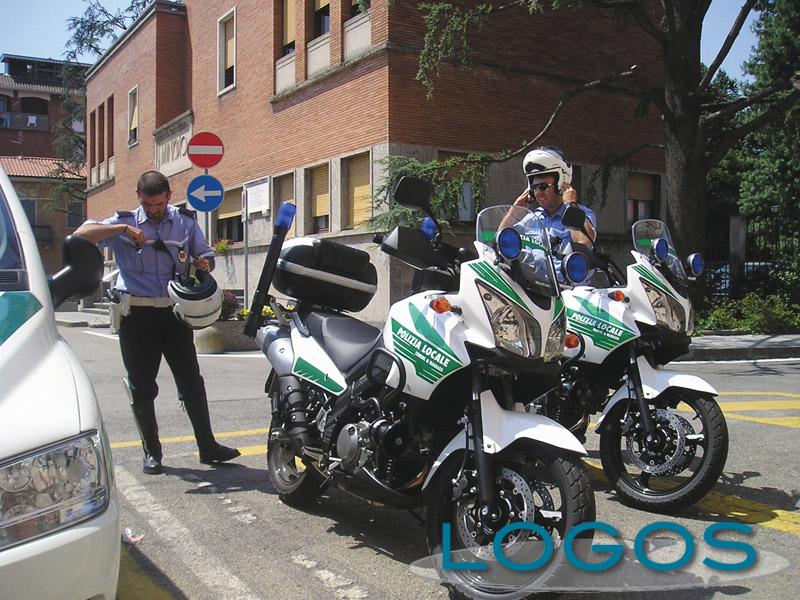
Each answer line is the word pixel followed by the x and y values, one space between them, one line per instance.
pixel 707 347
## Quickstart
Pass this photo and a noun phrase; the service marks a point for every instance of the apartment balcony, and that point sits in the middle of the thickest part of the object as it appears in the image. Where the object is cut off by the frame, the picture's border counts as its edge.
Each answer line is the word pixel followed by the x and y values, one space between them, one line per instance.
pixel 110 167
pixel 357 36
pixel 318 55
pixel 93 176
pixel 14 120
pixel 284 73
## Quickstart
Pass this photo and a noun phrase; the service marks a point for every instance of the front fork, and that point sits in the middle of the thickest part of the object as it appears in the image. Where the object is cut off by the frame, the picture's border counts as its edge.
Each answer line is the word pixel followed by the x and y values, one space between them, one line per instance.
pixel 489 513
pixel 635 378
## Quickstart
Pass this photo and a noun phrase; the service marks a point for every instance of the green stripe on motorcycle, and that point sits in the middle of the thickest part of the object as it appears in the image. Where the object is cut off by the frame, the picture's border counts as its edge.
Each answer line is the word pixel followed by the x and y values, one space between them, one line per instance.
pixel 605 331
pixel 427 331
pixel 487 273
pixel 654 281
pixel 558 306
pixel 305 370
pixel 16 308
pixel 430 362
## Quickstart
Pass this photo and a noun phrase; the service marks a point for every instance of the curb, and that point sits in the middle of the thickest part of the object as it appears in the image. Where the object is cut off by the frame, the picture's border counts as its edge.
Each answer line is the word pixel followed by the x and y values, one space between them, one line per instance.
pixel 750 353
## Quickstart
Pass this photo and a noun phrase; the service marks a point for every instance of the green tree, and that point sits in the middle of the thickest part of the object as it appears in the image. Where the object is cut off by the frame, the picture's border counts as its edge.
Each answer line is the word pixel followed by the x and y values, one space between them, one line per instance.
pixel 680 92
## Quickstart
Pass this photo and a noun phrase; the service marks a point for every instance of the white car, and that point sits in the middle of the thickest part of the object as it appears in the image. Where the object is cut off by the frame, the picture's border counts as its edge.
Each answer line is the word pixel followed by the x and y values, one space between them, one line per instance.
pixel 59 518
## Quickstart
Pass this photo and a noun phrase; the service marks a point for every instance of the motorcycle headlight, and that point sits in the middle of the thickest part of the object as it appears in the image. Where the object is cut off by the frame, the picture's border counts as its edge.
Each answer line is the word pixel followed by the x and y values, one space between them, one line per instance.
pixel 514 330
pixel 554 347
pixel 52 488
pixel 669 313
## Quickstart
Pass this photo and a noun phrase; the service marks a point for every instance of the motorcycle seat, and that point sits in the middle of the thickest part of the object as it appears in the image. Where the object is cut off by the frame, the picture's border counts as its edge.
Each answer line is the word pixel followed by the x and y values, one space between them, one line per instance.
pixel 346 340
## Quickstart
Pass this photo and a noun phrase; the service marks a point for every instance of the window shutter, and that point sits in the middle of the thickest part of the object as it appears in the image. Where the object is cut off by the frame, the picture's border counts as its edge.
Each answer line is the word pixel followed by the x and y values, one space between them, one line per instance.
pixel 359 196
pixel 134 113
pixel 288 21
pixel 320 197
pixel 231 204
pixel 229 44
pixel 320 4
pixel 641 187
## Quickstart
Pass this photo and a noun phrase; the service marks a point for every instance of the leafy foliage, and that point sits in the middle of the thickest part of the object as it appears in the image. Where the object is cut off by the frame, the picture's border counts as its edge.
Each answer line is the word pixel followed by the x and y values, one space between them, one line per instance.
pixel 752 314
pixel 230 304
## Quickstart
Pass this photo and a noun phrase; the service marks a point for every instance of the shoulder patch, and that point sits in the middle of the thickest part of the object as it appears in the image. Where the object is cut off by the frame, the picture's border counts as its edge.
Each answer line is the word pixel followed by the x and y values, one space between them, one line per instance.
pixel 124 213
pixel 189 213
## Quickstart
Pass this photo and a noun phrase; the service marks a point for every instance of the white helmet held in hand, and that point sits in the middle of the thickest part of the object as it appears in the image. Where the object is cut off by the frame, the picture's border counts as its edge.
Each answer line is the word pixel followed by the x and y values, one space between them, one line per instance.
pixel 547 160
pixel 196 301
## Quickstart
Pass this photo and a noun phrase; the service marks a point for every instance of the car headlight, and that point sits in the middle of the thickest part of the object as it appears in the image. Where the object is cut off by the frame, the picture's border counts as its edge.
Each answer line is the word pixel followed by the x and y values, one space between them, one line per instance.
pixel 669 313
pixel 554 347
pixel 514 329
pixel 52 488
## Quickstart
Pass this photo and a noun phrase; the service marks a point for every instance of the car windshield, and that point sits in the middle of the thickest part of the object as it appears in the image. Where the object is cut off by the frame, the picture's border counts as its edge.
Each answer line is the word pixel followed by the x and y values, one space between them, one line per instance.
pixel 10 255
pixel 536 265
pixel 647 230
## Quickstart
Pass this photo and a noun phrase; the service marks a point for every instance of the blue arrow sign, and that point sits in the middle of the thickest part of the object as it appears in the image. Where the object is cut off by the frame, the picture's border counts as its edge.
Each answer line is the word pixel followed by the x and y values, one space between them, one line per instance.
pixel 205 193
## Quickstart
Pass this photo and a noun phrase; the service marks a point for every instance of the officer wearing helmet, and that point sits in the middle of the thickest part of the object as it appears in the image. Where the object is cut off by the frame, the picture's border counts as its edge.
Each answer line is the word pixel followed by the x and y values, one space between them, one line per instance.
pixel 154 247
pixel 549 176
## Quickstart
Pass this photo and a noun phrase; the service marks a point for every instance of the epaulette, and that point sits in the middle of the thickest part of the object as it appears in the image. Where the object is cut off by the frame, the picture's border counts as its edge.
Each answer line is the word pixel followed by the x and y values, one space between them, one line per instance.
pixel 124 213
pixel 185 211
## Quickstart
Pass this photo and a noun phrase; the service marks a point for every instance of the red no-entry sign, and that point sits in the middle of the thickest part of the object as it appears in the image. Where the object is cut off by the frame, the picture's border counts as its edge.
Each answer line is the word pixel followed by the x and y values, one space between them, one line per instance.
pixel 205 149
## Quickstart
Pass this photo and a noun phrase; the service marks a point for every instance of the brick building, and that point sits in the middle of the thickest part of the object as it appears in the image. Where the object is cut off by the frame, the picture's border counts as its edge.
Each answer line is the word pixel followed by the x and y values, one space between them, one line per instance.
pixel 309 95
pixel 31 94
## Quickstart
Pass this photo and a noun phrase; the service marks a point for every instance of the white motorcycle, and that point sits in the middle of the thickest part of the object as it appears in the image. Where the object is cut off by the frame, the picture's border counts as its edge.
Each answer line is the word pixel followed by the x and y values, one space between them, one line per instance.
pixel 424 412
pixel 664 440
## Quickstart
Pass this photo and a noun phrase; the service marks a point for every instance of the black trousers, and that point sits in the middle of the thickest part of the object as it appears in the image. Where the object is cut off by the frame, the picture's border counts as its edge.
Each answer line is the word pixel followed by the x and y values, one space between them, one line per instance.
pixel 146 335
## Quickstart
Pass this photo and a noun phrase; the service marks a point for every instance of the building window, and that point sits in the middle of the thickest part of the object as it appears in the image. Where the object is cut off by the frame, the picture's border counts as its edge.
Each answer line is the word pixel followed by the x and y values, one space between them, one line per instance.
pixel 34 106
pixel 320 200
pixel 75 214
pixel 29 206
pixel 358 199
pixel 110 128
pixel 466 199
pixel 133 116
pixel 358 7
pixel 641 200
pixel 283 187
pixel 322 17
pixel 288 26
pixel 229 217
pixel 226 43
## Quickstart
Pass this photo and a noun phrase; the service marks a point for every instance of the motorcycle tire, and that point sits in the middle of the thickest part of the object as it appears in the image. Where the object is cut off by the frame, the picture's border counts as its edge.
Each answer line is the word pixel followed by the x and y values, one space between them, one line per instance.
pixel 296 486
pixel 564 473
pixel 665 493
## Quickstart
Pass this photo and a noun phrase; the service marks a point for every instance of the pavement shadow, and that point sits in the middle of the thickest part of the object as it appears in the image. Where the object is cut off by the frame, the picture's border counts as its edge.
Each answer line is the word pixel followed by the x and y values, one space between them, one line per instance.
pixel 155 585
pixel 227 478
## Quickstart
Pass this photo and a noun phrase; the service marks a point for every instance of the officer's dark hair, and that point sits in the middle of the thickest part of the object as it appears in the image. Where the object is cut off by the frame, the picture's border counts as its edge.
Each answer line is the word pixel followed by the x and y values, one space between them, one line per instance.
pixel 152 183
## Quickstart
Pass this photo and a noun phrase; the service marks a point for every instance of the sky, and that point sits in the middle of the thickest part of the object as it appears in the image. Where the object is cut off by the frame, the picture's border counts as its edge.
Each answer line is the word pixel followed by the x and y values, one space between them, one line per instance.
pixel 38 28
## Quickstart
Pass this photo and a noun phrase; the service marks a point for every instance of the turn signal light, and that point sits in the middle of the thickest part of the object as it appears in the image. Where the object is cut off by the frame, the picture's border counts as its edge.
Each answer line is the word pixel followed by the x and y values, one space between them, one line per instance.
pixel 618 295
pixel 441 305
pixel 571 341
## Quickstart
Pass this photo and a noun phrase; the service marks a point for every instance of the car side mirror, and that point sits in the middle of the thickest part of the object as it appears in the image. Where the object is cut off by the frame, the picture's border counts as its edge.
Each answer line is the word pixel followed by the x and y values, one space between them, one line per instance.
pixel 82 271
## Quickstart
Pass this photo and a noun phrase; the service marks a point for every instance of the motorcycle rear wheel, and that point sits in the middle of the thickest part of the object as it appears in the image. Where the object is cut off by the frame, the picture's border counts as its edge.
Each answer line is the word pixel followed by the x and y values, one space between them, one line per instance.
pixel 688 474
pixel 560 486
pixel 297 485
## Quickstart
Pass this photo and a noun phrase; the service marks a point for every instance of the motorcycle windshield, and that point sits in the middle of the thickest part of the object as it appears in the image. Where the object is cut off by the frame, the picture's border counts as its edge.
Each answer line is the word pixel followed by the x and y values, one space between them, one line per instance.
pixel 535 262
pixel 647 230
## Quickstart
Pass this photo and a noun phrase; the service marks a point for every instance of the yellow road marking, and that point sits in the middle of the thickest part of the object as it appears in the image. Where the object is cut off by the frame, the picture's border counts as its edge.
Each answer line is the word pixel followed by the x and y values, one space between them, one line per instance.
pixel 779 394
pixel 134 583
pixel 732 507
pixel 190 438
pixel 760 405
pixel 793 422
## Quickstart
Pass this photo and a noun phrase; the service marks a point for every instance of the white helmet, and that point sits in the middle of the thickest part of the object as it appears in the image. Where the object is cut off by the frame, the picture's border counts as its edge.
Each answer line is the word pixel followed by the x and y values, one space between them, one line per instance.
pixel 197 302
pixel 548 160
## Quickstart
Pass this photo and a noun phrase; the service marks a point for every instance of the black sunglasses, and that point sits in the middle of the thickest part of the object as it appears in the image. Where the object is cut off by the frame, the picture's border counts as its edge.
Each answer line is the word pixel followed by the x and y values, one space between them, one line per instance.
pixel 542 187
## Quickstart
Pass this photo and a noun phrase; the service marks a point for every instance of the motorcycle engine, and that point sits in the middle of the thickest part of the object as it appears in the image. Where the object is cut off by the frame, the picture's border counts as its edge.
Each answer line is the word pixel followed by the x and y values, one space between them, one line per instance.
pixel 354 446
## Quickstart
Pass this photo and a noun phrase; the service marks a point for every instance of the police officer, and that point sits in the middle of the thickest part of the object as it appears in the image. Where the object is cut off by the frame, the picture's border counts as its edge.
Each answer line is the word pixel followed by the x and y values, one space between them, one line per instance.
pixel 151 245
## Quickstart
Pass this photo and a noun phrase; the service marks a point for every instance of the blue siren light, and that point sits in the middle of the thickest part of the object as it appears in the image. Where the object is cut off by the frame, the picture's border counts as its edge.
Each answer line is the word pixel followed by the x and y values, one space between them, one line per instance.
pixel 509 243
pixel 285 215
pixel 661 248
pixel 576 267
pixel 696 264
pixel 428 227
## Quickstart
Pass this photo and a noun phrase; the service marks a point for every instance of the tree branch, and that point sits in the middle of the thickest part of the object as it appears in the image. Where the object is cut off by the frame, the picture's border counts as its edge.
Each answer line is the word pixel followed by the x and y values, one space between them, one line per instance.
pixel 654 97
pixel 773 112
pixel 634 8
pixel 726 46
pixel 727 108
pixel 669 15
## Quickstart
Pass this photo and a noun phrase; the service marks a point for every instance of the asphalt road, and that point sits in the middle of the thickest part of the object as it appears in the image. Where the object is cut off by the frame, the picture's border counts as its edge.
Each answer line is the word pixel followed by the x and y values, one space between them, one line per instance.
pixel 221 532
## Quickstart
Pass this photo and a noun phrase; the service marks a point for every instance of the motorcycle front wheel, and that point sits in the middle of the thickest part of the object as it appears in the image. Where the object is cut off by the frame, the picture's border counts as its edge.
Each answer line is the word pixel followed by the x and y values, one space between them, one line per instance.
pixel 531 486
pixel 682 465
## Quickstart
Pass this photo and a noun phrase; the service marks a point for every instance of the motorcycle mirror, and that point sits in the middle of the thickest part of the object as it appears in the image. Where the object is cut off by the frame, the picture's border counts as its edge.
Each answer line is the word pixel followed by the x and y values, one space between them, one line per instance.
pixel 573 217
pixel 414 193
pixel 660 248
pixel 509 243
pixel 696 264
pixel 575 267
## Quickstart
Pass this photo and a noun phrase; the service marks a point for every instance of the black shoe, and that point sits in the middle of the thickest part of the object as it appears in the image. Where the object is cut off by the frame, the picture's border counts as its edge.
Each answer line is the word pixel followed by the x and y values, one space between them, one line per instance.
pixel 217 454
pixel 151 465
